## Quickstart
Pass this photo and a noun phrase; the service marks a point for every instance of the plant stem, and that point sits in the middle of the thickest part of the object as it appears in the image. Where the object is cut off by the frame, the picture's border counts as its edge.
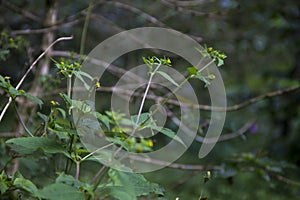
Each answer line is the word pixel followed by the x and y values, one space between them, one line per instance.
pixel 90 154
pixel 20 118
pixel 144 98
pixel 69 86
pixel 176 89
pixel 85 27
pixel 77 170
pixel 29 69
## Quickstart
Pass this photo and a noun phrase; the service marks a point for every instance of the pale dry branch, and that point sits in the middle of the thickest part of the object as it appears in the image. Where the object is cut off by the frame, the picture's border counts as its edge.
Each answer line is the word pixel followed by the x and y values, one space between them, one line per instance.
pixel 28 71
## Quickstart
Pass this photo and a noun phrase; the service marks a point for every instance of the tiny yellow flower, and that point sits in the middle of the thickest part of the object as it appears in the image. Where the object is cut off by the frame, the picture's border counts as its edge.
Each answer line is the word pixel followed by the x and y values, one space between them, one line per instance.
pixel 209 49
pixel 168 61
pixel 208 174
pixel 98 85
pixel 150 143
pixel 53 102
pixel 6 77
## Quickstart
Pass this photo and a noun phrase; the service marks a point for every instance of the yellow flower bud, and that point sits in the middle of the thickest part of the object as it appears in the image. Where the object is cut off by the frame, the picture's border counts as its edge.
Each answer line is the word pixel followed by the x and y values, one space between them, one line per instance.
pixel 98 85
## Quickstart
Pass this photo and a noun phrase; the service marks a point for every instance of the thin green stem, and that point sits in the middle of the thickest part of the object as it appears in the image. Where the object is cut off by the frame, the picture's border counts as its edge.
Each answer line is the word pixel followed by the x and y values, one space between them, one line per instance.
pixel 77 170
pixel 21 121
pixel 69 86
pixel 176 89
pixel 85 27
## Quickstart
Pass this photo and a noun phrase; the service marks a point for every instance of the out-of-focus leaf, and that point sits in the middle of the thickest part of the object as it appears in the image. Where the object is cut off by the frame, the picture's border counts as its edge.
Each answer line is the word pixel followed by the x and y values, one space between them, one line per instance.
pixel 60 191
pixel 134 184
pixel 25 184
pixel 169 78
pixel 28 145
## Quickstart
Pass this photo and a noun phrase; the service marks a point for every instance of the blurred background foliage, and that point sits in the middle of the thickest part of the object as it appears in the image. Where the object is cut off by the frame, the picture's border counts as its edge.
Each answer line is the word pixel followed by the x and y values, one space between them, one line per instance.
pixel 262 42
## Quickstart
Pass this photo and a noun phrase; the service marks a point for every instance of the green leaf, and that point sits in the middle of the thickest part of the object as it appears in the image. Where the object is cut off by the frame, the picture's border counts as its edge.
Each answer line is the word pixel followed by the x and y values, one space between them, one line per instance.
pixel 60 191
pixel 33 98
pixel 70 180
pixel 142 118
pixel 134 184
pixel 78 75
pixel 202 78
pixel 103 118
pixel 45 118
pixel 28 145
pixel 13 92
pixel 25 184
pixel 220 62
pixel 86 75
pixel 169 78
pixel 3 187
pixel 118 192
pixel 169 133
pixel 62 112
pixel 192 70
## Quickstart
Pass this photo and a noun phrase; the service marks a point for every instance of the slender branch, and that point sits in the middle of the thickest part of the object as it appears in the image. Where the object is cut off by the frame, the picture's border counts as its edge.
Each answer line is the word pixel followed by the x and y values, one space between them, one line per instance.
pixel 7 135
pixel 29 69
pixel 198 138
pixel 85 27
pixel 139 12
pixel 23 12
pixel 176 165
pixel 99 149
pixel 147 16
pixel 144 98
pixel 112 68
pixel 276 176
pixel 184 179
pixel 184 3
pixel 44 30
pixel 98 173
pixel 228 136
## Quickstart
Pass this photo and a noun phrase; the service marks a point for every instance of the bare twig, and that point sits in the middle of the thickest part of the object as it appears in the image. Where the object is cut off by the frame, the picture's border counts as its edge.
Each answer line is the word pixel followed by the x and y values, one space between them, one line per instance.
pixel 139 12
pixel 176 165
pixel 44 30
pixel 29 69
pixel 98 173
pixel 276 176
pixel 184 3
pixel 21 11
pixel 228 136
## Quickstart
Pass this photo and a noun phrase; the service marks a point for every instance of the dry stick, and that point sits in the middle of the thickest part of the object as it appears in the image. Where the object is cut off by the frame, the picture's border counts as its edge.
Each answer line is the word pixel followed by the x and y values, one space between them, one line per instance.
pixel 176 165
pixel 185 3
pixel 198 138
pixel 21 11
pixel 44 30
pixel 147 16
pixel 228 136
pixel 277 176
pixel 201 107
pixel 139 12
pixel 29 69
